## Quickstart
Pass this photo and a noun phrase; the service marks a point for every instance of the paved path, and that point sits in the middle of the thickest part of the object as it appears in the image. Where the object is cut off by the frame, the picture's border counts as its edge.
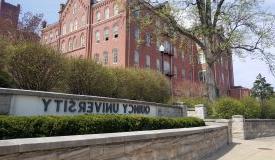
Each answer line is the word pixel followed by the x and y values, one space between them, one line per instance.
pixel 257 149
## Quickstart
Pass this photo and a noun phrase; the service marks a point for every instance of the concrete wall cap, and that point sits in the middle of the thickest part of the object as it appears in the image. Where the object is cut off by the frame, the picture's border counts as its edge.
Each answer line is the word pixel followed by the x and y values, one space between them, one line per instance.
pixel 51 143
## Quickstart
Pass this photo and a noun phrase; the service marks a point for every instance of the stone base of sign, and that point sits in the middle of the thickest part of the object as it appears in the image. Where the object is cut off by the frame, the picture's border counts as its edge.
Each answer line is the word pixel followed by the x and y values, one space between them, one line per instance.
pixel 187 144
pixel 29 103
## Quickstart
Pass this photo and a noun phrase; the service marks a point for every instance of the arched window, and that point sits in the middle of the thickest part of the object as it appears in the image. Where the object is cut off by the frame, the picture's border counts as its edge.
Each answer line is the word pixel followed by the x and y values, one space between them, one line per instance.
pixel 83 20
pixel 71 26
pixel 115 56
pixel 82 40
pixel 63 47
pixel 105 58
pixel 137 34
pixel 75 25
pixel 97 37
pixel 75 46
pixel 148 61
pixel 115 31
pixel 70 44
pixel 136 57
pixel 116 9
pixel 106 34
pixel 64 29
pixel 107 13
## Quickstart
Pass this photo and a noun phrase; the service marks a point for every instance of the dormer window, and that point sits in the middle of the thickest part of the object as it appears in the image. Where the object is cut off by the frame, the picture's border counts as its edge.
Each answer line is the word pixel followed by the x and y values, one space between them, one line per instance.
pixel 107 13
pixel 98 16
pixel 116 9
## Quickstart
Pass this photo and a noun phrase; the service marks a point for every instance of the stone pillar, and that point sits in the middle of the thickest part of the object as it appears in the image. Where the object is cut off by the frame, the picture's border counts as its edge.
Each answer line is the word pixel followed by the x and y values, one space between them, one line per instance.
pixel 200 111
pixel 184 108
pixel 238 127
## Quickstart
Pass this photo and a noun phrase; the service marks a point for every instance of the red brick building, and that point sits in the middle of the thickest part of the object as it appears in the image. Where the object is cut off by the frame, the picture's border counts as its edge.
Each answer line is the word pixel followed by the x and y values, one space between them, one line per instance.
pixel 9 15
pixel 104 31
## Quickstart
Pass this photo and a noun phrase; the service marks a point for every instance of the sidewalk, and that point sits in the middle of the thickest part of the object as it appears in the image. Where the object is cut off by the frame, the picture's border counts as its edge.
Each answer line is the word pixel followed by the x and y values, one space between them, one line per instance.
pixel 257 149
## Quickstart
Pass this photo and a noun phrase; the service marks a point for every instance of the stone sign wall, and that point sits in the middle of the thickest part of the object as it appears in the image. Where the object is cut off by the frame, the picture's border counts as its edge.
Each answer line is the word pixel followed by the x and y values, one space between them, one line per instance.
pixel 188 144
pixel 29 103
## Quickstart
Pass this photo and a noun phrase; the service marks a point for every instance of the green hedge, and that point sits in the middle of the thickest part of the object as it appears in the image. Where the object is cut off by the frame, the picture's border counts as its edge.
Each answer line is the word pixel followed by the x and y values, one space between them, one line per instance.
pixel 47 126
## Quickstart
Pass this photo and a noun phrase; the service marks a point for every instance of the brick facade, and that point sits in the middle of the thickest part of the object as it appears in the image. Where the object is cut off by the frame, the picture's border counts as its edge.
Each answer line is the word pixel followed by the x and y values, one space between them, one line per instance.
pixel 9 15
pixel 104 31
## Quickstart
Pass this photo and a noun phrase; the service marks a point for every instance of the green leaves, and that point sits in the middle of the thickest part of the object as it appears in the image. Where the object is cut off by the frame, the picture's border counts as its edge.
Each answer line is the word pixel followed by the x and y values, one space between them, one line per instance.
pixel 48 126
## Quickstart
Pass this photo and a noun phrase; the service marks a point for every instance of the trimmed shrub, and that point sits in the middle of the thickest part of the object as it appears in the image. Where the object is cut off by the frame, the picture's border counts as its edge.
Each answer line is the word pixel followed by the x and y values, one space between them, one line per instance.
pixel 227 107
pixel 36 67
pixel 47 126
pixel 89 78
pixel 252 107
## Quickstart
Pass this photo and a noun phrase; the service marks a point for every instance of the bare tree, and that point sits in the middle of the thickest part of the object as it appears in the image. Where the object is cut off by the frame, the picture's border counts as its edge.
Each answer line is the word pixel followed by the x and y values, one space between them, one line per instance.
pixel 219 27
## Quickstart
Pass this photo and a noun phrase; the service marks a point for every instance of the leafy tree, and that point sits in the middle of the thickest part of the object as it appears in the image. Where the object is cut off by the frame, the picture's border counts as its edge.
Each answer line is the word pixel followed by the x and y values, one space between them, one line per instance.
pixel 220 28
pixel 263 91
pixel 36 67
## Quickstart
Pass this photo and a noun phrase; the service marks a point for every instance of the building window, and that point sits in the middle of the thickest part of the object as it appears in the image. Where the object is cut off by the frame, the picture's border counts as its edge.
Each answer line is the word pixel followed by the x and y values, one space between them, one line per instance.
pixel 70 44
pixel 202 76
pixel 148 39
pixel 158 65
pixel 167 46
pixel 82 40
pixel 136 58
pixel 75 8
pixel 75 25
pixel 56 34
pixel 115 31
pixel 148 61
pixel 97 37
pixel 51 36
pixel 98 16
pixel 63 47
pixel 137 34
pixel 116 9
pixel 105 58
pixel 107 13
pixel 106 34
pixel 202 59
pixel 75 43
pixel 175 71
pixel 71 26
pixel 136 12
pixel 64 29
pixel 97 60
pixel 83 20
pixel 183 73
pixel 115 56
pixel 167 67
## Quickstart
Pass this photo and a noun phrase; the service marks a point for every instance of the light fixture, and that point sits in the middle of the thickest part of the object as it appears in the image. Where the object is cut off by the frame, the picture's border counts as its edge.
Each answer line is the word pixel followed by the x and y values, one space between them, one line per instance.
pixel 161 48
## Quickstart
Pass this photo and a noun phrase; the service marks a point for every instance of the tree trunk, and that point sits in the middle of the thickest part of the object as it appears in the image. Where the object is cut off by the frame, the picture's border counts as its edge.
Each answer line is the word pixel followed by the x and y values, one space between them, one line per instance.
pixel 211 83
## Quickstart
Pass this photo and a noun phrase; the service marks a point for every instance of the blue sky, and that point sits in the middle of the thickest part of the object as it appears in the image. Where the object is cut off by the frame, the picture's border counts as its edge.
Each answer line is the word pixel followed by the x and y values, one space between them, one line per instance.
pixel 245 70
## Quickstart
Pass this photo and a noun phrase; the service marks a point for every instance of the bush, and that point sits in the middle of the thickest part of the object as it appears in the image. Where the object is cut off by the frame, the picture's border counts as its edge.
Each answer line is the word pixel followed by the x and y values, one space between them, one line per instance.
pixel 270 108
pixel 89 78
pixel 47 126
pixel 227 107
pixel 252 107
pixel 36 67
pixel 5 80
pixel 145 85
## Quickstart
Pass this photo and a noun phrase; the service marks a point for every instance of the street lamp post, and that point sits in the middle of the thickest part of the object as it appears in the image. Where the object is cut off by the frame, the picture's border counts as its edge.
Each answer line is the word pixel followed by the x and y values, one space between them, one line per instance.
pixel 161 50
